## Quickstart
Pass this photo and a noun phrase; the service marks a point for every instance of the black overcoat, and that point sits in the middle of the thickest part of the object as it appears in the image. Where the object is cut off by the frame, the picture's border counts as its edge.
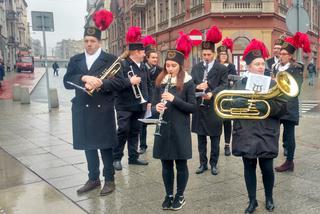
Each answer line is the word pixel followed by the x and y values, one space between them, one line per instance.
pixel 93 117
pixel 205 121
pixel 175 140
pixel 258 138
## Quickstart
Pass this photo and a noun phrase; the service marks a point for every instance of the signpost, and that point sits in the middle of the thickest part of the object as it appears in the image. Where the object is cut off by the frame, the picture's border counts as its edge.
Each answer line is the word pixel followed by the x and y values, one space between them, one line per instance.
pixel 43 21
pixel 196 37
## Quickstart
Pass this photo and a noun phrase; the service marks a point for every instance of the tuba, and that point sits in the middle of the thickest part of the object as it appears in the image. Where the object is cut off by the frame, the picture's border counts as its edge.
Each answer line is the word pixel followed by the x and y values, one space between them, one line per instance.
pixel 285 85
pixel 112 70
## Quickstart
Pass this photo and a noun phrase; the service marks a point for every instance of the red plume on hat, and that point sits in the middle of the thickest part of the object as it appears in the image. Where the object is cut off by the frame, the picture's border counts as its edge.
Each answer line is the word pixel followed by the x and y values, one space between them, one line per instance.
pixel 228 43
pixel 256 45
pixel 148 40
pixel 184 44
pixel 302 41
pixel 214 35
pixel 133 35
pixel 102 19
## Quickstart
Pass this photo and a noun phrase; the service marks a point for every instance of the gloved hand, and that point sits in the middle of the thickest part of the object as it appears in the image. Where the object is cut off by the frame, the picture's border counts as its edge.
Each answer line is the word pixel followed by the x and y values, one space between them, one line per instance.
pixel 262 107
pixel 239 102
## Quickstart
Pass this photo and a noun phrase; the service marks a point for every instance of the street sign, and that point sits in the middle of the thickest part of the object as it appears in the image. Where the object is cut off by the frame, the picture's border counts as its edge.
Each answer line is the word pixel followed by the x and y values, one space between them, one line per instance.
pixel 196 37
pixel 42 21
pixel 297 19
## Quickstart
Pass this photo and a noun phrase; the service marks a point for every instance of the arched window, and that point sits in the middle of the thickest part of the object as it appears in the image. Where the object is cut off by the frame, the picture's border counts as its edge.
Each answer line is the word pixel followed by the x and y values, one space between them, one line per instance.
pixel 239 44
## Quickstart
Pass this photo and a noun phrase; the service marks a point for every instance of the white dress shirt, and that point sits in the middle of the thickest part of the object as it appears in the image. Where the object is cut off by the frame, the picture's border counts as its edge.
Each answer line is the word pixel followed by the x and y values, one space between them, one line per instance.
pixel 90 59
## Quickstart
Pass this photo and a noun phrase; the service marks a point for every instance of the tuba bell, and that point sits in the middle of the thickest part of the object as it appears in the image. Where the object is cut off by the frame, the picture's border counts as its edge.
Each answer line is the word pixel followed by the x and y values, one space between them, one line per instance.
pixel 285 85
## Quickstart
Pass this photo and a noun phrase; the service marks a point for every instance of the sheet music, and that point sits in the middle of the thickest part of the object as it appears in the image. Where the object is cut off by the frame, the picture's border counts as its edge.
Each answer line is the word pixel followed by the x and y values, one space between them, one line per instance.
pixel 258 83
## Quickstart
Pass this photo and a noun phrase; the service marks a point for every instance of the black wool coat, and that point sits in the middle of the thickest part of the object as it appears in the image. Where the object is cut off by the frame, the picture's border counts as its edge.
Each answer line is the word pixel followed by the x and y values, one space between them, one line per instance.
pixel 258 138
pixel 205 121
pixel 175 140
pixel 126 101
pixel 93 117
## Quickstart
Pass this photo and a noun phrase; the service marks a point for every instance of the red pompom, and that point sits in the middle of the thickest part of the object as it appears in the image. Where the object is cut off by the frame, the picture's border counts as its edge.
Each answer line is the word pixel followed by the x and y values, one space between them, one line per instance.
pixel 214 35
pixel 102 19
pixel 133 35
pixel 184 44
pixel 302 41
pixel 148 40
pixel 228 43
pixel 256 45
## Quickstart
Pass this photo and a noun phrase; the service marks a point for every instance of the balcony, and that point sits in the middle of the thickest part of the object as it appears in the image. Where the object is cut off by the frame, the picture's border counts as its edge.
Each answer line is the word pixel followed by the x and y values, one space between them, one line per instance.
pixel 178 19
pixel 242 6
pixel 197 10
pixel 138 4
pixel 283 9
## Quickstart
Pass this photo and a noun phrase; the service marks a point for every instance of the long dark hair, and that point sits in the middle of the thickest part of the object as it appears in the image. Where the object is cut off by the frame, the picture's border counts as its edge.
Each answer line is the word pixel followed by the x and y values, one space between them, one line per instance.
pixel 227 61
pixel 180 77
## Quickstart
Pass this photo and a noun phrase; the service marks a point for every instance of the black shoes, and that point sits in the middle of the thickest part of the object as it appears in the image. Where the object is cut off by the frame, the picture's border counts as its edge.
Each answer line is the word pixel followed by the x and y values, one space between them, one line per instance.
pixel 201 169
pixel 167 203
pixel 252 207
pixel 178 203
pixel 269 205
pixel 117 165
pixel 138 162
pixel 214 170
pixel 109 187
pixel 89 185
pixel 142 151
pixel 227 151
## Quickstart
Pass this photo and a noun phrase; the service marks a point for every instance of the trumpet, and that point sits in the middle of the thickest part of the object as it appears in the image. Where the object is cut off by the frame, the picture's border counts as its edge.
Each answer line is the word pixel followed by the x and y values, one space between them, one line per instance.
pixel 160 120
pixel 111 71
pixel 136 88
pixel 285 85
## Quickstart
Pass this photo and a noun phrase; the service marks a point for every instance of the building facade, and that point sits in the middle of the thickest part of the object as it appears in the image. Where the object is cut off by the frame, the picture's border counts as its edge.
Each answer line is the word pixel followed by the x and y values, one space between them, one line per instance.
pixel 240 20
pixel 68 48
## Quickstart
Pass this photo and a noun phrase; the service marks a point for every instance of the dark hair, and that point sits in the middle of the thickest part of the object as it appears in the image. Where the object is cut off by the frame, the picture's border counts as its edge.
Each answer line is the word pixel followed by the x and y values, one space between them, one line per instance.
pixel 180 77
pixel 218 57
pixel 149 52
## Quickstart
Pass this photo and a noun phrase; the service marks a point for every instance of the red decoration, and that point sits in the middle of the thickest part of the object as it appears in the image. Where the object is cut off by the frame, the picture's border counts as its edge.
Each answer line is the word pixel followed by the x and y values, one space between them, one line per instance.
pixel 102 19
pixel 133 35
pixel 228 43
pixel 148 40
pixel 214 35
pixel 184 44
pixel 256 45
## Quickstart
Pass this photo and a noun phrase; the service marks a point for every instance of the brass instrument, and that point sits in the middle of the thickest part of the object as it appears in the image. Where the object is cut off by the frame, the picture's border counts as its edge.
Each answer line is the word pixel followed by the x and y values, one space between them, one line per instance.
pixel 205 77
pixel 160 120
pixel 285 85
pixel 111 71
pixel 136 88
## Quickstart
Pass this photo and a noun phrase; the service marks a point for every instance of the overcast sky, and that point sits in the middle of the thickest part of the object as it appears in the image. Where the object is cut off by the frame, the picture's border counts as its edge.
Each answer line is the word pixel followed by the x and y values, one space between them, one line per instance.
pixel 68 19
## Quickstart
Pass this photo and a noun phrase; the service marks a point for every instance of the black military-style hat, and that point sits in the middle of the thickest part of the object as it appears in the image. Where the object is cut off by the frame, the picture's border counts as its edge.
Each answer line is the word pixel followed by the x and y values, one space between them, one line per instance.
pixel 222 48
pixel 92 31
pixel 288 47
pixel 207 45
pixel 150 48
pixel 176 56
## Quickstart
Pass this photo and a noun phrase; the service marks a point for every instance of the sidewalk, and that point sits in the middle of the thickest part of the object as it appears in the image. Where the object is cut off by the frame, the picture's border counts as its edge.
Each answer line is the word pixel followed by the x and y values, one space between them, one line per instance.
pixel 42 144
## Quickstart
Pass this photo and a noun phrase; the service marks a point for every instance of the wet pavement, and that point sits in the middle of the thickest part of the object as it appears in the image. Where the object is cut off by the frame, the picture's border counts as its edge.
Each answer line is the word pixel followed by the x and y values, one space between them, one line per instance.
pixel 40 172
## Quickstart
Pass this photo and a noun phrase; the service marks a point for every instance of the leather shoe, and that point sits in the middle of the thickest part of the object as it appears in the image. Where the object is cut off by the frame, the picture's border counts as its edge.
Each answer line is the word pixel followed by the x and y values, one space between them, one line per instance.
pixel 214 170
pixel 138 162
pixel 252 207
pixel 201 169
pixel 227 151
pixel 142 151
pixel 89 185
pixel 269 205
pixel 108 187
pixel 286 166
pixel 117 165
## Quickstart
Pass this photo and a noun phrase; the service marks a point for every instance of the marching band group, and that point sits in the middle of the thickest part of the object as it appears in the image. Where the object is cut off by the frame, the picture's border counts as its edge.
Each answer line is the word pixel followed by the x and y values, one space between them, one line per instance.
pixel 137 85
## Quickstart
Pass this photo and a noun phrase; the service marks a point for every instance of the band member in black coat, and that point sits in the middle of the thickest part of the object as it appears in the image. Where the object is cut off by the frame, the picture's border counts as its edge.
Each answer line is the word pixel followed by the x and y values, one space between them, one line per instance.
pixel 175 101
pixel 271 62
pixel 257 139
pixel 151 62
pixel 93 117
pixel 210 77
pixel 291 119
pixel 224 51
pixel 132 102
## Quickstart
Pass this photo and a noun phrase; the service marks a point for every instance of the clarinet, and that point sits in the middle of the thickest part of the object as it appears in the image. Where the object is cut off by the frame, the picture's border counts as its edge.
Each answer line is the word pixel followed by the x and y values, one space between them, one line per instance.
pixel 160 120
pixel 205 78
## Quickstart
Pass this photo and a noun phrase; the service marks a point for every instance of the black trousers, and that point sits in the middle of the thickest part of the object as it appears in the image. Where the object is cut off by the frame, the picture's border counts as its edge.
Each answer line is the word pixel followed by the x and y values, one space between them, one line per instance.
pixel 215 149
pixel 143 137
pixel 129 129
pixel 266 166
pixel 227 131
pixel 168 176
pixel 289 138
pixel 94 164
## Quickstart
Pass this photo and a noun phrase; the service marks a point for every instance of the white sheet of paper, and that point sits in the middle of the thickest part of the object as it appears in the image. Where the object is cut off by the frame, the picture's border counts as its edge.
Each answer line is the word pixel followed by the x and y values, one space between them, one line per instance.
pixel 257 82
pixel 148 114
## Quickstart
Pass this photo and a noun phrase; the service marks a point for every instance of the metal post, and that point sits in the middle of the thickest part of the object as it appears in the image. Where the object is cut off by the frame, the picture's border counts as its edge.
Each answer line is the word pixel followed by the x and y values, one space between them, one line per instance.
pixel 46 61
pixel 299 59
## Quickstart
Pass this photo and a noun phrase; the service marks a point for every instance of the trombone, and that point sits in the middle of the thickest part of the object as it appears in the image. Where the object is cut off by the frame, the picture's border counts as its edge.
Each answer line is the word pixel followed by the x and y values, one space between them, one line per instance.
pixel 136 89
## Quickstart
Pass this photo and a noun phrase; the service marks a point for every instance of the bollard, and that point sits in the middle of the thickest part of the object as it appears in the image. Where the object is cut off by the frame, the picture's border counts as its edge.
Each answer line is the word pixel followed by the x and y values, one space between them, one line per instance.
pixel 16 92
pixel 24 95
pixel 54 101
